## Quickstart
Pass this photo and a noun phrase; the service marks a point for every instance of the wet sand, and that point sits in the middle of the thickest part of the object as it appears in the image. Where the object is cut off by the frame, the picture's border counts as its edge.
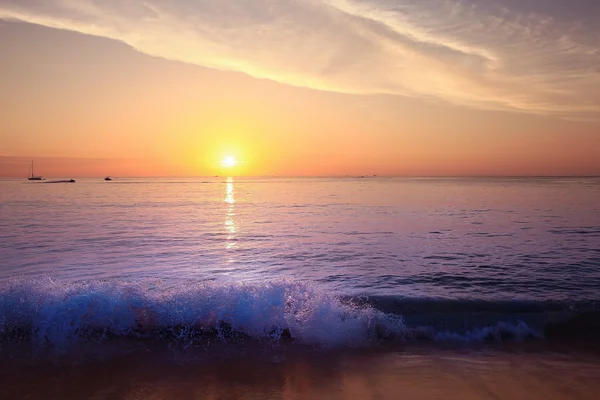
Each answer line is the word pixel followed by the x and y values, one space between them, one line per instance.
pixel 282 374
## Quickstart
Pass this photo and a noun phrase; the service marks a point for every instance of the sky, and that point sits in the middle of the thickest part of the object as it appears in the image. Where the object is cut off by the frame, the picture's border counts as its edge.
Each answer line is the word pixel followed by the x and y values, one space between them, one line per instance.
pixel 299 87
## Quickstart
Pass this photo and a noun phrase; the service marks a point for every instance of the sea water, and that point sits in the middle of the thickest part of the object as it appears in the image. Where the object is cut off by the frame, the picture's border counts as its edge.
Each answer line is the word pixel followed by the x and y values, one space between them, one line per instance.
pixel 320 261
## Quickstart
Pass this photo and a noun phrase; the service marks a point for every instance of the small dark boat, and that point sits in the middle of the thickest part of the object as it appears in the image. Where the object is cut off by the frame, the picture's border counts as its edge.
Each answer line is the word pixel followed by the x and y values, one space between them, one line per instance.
pixel 108 178
pixel 62 181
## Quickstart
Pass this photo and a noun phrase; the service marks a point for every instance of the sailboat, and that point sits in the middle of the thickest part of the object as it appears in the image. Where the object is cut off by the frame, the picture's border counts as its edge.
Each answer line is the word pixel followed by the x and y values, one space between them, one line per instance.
pixel 31 176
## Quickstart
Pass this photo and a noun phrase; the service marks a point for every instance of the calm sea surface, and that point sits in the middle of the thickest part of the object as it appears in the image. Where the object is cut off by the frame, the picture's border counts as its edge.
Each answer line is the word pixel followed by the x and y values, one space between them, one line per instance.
pixel 453 238
pixel 262 253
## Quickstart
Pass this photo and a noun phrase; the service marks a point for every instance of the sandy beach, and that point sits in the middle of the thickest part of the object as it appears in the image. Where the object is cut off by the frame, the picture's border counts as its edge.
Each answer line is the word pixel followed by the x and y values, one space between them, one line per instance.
pixel 279 373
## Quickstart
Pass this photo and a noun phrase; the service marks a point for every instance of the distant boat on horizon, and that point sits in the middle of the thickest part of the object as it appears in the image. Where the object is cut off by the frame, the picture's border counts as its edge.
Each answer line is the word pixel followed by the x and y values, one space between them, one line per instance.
pixel 62 181
pixel 108 178
pixel 31 176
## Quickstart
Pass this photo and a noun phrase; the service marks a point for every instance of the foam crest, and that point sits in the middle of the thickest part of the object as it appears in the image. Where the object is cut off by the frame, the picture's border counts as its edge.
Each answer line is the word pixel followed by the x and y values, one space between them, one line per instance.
pixel 59 313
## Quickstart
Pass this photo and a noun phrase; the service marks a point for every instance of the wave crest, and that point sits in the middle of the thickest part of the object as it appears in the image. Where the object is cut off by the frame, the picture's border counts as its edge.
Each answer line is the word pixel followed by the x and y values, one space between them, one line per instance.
pixel 57 314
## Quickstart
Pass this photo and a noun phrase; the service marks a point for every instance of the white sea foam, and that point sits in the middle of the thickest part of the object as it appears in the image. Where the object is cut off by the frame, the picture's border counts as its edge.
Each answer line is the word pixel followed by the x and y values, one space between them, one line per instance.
pixel 59 313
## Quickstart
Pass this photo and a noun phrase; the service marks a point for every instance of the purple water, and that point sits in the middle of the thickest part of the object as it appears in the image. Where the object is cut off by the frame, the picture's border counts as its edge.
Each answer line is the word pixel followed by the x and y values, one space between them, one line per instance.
pixel 329 260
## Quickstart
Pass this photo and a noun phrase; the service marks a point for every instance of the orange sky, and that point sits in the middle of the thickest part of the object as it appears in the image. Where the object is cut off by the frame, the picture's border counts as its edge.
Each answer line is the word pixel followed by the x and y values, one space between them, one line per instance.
pixel 82 105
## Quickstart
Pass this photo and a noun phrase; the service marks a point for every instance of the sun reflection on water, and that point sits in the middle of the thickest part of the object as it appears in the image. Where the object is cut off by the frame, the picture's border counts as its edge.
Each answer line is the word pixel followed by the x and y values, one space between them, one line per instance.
pixel 230 224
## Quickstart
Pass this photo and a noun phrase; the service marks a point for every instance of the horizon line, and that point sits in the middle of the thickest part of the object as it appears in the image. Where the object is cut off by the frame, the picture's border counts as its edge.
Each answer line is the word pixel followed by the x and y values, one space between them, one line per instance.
pixel 316 176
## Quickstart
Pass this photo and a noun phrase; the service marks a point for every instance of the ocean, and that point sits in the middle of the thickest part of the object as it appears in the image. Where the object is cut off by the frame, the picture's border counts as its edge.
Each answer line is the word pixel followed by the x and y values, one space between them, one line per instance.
pixel 274 270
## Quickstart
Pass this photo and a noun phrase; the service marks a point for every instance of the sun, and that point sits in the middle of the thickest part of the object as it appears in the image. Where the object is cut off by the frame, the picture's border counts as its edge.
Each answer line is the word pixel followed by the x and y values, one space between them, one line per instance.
pixel 229 162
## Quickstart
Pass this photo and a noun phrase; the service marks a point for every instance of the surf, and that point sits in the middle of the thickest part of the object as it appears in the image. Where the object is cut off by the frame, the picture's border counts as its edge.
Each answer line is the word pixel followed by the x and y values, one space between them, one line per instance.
pixel 55 313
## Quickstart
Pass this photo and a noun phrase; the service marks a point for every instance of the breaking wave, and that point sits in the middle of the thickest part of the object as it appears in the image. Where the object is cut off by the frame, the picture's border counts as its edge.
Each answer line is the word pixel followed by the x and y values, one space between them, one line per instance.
pixel 53 313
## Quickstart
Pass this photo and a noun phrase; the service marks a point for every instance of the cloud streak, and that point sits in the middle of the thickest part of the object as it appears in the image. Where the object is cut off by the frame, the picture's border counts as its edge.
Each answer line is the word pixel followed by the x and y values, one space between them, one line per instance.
pixel 483 54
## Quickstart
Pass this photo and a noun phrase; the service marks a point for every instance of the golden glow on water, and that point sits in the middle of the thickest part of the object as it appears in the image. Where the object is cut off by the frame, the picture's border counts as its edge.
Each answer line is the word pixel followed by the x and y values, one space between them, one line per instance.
pixel 229 192
pixel 230 224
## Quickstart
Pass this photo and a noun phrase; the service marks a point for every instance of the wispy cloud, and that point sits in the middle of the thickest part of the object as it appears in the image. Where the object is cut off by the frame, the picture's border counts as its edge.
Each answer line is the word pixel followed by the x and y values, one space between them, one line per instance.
pixel 484 54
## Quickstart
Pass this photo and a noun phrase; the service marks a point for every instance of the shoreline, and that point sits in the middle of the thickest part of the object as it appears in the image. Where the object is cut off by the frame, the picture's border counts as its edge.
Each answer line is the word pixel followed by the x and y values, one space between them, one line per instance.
pixel 26 354
pixel 240 372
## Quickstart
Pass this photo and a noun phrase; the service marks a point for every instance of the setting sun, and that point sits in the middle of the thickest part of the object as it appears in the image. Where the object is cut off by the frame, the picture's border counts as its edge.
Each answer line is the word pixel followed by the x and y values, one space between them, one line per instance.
pixel 229 162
